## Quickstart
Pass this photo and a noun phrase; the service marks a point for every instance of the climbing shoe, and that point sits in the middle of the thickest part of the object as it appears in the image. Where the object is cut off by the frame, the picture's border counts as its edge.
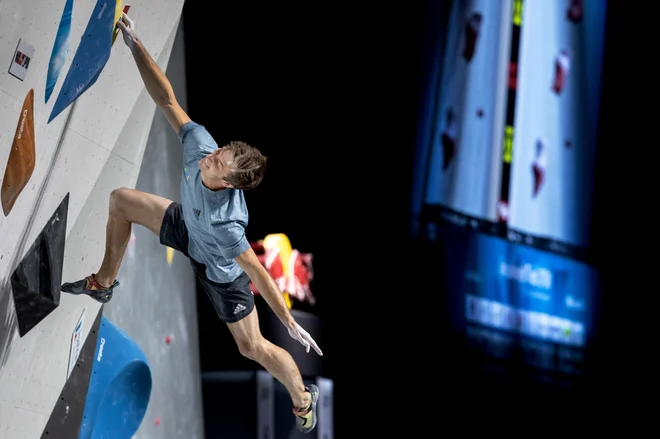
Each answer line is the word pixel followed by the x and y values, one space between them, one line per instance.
pixel 91 288
pixel 306 417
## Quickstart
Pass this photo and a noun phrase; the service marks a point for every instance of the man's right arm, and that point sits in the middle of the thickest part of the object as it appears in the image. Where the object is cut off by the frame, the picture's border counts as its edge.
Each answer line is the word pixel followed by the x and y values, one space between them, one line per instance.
pixel 155 81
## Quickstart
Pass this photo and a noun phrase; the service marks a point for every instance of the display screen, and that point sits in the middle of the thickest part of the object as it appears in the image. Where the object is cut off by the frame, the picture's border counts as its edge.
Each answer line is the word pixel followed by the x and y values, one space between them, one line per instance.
pixel 520 289
pixel 504 175
pixel 518 297
pixel 507 132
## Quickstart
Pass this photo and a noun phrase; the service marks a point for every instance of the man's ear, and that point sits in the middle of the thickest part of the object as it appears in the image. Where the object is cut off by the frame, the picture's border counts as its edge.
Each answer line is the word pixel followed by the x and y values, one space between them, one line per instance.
pixel 225 183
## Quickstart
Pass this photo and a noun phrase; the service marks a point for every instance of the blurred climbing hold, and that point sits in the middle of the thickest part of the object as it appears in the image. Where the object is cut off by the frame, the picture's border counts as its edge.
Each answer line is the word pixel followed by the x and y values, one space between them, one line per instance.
pixel 472 28
pixel 575 11
pixel 539 165
pixel 562 66
pixel 60 49
pixel 448 137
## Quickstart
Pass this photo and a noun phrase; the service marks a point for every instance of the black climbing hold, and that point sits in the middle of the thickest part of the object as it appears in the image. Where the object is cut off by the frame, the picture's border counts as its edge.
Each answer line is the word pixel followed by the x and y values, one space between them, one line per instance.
pixel 67 415
pixel 37 279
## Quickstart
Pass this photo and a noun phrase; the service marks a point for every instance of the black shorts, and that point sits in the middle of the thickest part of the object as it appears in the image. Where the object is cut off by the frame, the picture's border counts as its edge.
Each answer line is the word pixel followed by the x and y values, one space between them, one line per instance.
pixel 233 300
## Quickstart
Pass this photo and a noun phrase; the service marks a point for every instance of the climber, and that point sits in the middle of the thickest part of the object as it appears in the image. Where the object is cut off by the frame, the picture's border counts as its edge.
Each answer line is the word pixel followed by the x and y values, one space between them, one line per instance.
pixel 207 226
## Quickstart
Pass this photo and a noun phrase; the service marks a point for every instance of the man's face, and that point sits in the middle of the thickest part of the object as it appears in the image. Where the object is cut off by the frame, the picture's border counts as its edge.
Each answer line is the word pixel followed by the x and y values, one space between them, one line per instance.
pixel 217 165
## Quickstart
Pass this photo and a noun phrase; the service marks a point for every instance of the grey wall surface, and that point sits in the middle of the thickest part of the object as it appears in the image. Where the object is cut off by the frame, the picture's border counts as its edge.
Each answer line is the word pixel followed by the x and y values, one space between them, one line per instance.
pixel 157 298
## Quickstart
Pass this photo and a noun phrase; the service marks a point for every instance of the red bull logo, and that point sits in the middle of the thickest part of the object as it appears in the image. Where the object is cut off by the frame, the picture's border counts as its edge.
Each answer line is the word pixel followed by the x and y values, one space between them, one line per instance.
pixel 291 269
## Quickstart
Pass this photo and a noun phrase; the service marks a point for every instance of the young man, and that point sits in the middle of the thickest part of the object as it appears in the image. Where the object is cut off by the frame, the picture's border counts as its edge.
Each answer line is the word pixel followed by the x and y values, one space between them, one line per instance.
pixel 208 226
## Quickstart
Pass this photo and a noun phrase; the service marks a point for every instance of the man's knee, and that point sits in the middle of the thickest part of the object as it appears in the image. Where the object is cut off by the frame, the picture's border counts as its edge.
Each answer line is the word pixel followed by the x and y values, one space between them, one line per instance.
pixel 119 199
pixel 251 348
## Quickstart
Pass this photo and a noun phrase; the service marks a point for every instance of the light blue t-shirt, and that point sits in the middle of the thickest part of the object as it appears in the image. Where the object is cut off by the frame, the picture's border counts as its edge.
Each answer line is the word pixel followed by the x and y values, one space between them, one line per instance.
pixel 216 220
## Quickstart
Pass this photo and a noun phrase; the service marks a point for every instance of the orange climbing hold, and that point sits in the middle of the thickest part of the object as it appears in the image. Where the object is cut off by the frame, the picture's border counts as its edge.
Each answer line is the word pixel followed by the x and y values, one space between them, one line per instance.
pixel 20 164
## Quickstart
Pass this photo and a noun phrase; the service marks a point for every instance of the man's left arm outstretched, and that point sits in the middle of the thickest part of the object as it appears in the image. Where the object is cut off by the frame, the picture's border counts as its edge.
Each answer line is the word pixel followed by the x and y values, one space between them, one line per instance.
pixel 273 296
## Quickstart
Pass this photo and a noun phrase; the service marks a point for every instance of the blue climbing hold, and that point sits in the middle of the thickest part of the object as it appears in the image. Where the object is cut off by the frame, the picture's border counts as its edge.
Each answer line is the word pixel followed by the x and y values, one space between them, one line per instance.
pixel 119 387
pixel 91 57
pixel 60 49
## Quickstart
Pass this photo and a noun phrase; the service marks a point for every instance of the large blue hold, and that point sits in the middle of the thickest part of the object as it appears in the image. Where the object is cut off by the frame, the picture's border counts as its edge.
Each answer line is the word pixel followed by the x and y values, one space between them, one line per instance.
pixel 91 57
pixel 60 48
pixel 119 387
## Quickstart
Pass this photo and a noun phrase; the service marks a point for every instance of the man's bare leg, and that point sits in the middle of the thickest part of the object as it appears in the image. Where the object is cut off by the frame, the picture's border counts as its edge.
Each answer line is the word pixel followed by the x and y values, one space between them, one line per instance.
pixel 117 235
pixel 127 206
pixel 274 359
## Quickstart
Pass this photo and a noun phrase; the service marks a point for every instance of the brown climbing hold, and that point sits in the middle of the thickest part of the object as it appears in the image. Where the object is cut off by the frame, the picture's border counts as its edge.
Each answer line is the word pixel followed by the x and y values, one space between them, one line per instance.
pixel 20 164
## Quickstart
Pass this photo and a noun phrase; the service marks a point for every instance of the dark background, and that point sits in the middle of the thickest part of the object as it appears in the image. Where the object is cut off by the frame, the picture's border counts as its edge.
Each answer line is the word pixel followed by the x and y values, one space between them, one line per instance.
pixel 330 93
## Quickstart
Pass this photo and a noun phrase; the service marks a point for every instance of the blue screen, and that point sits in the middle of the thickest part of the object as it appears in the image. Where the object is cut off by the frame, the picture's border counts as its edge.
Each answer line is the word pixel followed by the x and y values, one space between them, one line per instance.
pixel 520 289
pixel 510 299
pixel 507 130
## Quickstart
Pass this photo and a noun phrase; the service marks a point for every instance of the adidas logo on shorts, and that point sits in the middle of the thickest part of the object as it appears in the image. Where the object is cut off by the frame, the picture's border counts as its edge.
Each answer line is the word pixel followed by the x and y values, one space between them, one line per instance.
pixel 239 308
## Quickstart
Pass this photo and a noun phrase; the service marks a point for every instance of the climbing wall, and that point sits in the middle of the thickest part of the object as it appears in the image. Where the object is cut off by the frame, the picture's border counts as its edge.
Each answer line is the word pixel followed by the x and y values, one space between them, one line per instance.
pixel 556 120
pixel 74 122
pixel 464 164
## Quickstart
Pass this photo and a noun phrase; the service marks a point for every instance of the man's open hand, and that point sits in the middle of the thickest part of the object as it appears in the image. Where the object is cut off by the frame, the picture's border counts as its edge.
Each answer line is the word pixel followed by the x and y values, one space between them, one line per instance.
pixel 298 333
pixel 127 27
